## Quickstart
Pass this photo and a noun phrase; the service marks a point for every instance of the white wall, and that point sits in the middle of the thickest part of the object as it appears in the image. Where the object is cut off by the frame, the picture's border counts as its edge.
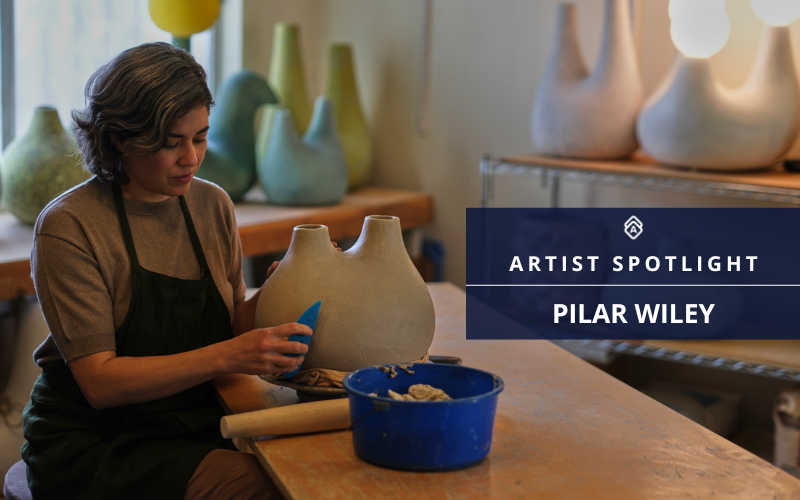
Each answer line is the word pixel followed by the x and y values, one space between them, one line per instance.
pixel 487 57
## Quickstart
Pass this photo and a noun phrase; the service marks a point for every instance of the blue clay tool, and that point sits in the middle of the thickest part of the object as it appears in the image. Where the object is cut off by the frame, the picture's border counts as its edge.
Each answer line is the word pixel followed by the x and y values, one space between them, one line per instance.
pixel 308 318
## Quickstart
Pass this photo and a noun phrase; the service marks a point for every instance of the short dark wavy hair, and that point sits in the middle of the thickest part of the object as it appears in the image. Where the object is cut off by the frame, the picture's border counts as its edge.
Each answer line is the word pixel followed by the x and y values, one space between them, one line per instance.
pixel 137 97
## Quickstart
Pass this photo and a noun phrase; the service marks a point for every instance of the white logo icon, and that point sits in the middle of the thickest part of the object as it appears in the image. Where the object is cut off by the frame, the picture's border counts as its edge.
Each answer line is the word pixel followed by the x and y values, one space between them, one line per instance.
pixel 633 227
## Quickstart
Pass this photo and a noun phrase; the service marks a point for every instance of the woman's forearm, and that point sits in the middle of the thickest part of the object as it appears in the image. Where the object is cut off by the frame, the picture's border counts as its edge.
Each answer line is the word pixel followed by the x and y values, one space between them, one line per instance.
pixel 107 380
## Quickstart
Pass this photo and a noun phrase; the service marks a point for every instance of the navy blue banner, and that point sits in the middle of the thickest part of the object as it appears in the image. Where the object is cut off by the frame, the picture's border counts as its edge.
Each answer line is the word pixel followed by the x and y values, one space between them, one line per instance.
pixel 641 273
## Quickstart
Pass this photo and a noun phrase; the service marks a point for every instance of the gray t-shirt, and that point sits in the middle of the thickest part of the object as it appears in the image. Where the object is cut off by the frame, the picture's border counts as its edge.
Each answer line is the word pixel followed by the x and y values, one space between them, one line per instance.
pixel 82 272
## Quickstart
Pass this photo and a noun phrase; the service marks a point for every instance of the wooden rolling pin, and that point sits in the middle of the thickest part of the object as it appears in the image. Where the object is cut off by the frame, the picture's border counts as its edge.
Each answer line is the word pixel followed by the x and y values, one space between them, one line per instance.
pixel 301 418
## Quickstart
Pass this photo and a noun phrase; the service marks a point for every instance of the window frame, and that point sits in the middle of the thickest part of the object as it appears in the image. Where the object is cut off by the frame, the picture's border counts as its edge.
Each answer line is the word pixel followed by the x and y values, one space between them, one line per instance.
pixel 7 74
pixel 8 108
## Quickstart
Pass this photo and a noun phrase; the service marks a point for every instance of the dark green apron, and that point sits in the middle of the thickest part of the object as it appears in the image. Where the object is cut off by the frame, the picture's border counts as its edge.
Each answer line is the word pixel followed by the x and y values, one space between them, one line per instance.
pixel 146 450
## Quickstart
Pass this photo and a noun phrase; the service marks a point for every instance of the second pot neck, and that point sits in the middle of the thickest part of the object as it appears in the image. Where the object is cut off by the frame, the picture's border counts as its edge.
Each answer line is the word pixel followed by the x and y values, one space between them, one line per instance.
pixel 381 237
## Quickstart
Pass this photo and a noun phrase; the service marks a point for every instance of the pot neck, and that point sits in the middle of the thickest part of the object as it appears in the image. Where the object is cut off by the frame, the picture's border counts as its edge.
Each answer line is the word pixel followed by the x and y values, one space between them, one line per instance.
pixel 45 120
pixel 310 240
pixel 381 236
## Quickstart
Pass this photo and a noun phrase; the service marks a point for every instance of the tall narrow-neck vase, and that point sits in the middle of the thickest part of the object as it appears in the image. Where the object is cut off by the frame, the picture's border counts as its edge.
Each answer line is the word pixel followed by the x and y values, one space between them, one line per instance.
pixel 287 79
pixel 589 115
pixel 287 76
pixel 342 91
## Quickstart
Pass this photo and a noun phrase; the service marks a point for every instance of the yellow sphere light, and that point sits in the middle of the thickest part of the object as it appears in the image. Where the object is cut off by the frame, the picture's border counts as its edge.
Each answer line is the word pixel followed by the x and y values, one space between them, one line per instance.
pixel 183 18
pixel 699 28
pixel 776 12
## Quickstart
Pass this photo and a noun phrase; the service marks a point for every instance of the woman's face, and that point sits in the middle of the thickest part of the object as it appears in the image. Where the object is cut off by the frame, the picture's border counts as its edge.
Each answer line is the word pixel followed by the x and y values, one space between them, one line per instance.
pixel 170 170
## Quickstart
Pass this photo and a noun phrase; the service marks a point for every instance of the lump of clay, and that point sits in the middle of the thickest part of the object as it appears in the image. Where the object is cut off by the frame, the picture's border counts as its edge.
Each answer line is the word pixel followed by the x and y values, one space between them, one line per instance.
pixel 421 392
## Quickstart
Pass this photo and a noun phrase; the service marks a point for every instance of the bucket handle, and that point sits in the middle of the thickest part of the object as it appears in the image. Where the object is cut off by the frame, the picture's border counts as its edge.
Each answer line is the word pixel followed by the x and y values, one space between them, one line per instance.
pixel 376 406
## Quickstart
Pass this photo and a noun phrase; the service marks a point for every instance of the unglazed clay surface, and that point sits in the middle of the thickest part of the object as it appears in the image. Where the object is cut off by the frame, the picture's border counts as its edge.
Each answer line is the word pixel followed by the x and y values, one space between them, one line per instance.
pixel 375 308
pixel 693 121
pixel 583 115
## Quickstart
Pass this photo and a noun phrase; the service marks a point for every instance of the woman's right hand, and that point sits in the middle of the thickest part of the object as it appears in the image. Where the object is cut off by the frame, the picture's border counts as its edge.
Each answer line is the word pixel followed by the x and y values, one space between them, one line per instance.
pixel 261 351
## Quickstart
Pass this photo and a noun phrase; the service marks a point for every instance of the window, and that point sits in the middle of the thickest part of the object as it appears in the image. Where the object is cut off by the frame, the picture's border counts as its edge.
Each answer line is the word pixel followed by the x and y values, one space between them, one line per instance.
pixel 59 44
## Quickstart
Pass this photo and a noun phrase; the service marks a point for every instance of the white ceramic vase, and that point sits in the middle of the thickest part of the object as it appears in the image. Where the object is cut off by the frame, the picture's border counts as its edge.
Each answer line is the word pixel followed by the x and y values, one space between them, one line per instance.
pixel 583 115
pixel 375 306
pixel 693 121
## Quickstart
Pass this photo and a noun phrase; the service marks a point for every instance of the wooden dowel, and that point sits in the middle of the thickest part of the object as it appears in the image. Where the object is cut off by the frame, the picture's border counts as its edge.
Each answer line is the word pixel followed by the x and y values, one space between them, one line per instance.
pixel 301 418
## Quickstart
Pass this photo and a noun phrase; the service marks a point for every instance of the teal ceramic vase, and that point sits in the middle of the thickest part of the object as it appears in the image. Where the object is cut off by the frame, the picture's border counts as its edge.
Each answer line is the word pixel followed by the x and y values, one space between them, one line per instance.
pixel 39 165
pixel 304 171
pixel 287 79
pixel 353 132
pixel 230 160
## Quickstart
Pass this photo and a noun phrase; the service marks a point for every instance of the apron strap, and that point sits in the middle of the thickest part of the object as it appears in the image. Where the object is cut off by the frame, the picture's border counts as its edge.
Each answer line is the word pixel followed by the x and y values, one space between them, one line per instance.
pixel 205 271
pixel 126 229
pixel 198 248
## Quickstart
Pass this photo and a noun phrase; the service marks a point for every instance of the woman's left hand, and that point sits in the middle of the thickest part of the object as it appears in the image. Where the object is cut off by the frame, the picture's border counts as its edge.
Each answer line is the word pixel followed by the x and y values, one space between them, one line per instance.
pixel 274 265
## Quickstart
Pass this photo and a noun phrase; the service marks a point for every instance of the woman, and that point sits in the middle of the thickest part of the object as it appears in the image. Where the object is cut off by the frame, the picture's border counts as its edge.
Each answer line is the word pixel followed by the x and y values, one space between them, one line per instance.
pixel 140 280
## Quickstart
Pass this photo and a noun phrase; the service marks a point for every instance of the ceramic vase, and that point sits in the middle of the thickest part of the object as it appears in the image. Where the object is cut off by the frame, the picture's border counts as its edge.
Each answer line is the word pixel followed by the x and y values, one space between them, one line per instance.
pixel 304 171
pixel 693 121
pixel 353 132
pixel 287 79
pixel 375 306
pixel 230 160
pixel 183 18
pixel 582 115
pixel 39 165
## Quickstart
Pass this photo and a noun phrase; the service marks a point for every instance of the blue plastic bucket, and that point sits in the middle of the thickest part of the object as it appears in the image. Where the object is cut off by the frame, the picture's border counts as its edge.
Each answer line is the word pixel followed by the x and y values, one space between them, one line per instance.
pixel 423 435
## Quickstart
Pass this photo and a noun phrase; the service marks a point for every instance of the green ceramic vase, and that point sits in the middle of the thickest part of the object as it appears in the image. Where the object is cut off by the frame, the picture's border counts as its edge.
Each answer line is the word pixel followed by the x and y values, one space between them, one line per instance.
pixel 230 160
pixel 39 165
pixel 287 79
pixel 342 91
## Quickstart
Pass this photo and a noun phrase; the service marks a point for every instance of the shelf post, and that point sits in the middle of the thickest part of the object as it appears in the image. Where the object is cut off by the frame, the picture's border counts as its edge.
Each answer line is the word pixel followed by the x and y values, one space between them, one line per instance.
pixel 554 188
pixel 487 181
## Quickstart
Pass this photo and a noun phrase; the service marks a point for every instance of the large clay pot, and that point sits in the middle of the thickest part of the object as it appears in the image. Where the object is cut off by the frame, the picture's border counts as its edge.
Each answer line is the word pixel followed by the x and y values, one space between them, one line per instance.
pixel 287 79
pixel 304 171
pixel 343 93
pixel 375 307
pixel 39 165
pixel 230 159
pixel 585 115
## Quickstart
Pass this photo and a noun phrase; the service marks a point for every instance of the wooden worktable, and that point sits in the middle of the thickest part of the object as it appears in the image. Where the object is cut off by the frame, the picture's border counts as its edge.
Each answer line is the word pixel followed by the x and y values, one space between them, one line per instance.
pixel 263 228
pixel 564 430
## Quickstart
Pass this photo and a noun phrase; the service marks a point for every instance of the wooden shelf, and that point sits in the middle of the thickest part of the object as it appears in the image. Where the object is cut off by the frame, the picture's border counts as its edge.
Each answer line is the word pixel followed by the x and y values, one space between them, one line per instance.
pixel 775 177
pixel 773 184
pixel 263 228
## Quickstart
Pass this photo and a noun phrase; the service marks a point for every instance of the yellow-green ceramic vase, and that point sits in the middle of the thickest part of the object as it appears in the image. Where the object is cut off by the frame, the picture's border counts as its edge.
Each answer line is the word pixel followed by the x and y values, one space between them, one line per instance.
pixel 342 91
pixel 39 165
pixel 287 79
